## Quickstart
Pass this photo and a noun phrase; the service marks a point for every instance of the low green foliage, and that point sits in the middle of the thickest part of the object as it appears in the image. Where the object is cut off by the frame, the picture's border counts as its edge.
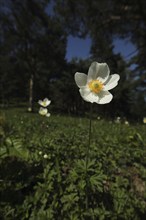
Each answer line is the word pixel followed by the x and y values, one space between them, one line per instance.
pixel 37 188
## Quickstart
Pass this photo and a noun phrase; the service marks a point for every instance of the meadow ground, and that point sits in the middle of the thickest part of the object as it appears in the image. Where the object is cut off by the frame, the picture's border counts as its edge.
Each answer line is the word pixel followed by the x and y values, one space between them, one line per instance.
pixel 44 174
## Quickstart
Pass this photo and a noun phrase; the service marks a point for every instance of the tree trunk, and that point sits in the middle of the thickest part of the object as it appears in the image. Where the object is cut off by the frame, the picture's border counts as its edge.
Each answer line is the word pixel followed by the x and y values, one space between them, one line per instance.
pixel 31 83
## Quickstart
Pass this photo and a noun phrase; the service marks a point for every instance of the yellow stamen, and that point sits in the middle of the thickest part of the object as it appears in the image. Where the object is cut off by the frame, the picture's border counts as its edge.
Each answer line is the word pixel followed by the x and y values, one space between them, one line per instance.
pixel 95 86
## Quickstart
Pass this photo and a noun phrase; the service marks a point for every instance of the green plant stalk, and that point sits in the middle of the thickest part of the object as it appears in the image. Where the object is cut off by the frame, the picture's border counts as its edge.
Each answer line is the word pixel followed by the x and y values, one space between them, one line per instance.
pixel 88 157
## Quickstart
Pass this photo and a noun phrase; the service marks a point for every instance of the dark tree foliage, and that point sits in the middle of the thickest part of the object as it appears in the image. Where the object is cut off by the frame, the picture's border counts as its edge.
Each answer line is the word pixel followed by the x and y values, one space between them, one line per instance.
pixel 65 93
pixel 33 46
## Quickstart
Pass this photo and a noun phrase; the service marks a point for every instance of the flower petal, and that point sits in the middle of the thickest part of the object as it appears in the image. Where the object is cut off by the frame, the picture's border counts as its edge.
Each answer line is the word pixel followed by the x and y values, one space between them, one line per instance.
pixel 88 96
pixel 104 97
pixel 40 102
pixel 111 82
pixel 46 102
pixel 98 71
pixel 84 91
pixel 80 79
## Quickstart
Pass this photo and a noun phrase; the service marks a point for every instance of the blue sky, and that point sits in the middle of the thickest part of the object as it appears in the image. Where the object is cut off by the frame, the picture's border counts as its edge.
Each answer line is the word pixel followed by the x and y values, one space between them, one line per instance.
pixel 77 47
pixel 80 48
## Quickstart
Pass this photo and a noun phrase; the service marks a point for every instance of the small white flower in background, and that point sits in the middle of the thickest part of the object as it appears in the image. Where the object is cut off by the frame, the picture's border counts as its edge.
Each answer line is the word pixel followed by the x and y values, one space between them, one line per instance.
pixel 126 123
pixel 48 114
pixel 43 111
pixel 45 156
pixel 94 86
pixel 40 152
pixel 45 102
pixel 118 120
pixel 144 120
pixel 29 109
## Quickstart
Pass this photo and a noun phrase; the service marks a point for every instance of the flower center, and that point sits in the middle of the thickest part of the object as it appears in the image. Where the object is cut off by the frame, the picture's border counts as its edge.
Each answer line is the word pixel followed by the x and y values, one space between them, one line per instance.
pixel 95 86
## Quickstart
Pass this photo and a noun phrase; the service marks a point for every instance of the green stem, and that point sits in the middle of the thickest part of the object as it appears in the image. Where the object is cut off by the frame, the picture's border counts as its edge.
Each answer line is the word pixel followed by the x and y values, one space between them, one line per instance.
pixel 88 157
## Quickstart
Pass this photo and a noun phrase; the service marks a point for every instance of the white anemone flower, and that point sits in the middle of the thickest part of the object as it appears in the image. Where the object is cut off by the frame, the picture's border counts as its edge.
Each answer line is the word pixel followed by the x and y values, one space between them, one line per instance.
pixel 44 112
pixel 94 86
pixel 44 102
pixel 45 156
pixel 126 123
pixel 144 120
pixel 48 114
pixel 40 152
